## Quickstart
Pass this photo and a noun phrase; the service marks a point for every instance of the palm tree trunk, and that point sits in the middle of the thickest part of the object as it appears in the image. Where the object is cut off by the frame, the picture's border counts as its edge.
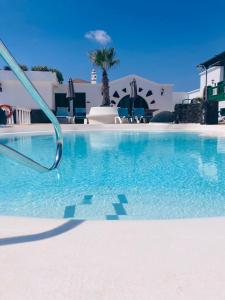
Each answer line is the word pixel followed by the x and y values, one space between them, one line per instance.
pixel 105 89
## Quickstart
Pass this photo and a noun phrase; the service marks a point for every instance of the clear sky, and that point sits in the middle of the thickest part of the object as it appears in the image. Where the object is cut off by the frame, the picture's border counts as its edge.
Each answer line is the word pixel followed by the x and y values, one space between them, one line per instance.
pixel 160 40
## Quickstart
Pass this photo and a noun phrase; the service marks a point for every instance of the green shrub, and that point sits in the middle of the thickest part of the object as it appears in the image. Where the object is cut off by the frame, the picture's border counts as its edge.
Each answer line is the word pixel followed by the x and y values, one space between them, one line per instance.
pixel 7 68
pixel 47 69
pixel 23 67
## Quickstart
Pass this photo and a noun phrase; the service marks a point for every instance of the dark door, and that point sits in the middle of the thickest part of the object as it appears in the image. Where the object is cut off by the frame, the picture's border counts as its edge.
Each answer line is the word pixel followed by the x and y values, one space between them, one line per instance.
pixel 80 100
pixel 61 100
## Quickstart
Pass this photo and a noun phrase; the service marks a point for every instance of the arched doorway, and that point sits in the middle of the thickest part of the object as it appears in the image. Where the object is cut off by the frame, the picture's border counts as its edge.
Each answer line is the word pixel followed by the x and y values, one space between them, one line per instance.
pixel 126 102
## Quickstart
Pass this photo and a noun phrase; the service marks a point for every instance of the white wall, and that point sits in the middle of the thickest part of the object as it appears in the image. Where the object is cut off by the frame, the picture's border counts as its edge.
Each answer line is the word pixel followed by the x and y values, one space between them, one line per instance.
pixel 93 92
pixel 178 97
pixel 195 94
pixel 164 102
pixel 13 93
pixel 215 73
pixel 94 97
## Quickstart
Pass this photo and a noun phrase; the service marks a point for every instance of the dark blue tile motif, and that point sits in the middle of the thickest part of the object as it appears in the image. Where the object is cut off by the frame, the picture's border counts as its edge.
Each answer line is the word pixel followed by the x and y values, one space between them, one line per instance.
pixel 87 199
pixel 69 211
pixel 119 208
pixel 122 198
pixel 112 217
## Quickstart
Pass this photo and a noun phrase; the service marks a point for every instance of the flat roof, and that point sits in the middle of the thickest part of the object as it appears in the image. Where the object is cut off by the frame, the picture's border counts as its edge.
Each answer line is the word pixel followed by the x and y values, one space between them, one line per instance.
pixel 45 76
pixel 217 60
pixel 79 80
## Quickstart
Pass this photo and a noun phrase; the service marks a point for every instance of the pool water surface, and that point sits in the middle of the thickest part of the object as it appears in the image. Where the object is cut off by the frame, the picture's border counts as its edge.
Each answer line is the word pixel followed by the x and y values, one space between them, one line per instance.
pixel 117 175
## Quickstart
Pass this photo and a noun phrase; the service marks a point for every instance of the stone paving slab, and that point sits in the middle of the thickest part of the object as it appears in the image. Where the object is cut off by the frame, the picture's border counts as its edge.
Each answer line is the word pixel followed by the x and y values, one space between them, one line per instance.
pixel 124 260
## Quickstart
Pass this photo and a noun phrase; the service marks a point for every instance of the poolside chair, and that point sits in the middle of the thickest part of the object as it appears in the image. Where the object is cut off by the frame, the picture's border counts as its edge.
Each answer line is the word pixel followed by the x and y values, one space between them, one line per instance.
pixel 139 114
pixel 62 114
pixel 80 114
pixel 123 115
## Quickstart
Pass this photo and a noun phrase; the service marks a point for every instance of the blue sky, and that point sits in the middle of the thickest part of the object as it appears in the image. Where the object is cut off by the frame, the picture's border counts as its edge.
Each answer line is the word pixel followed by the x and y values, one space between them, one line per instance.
pixel 160 40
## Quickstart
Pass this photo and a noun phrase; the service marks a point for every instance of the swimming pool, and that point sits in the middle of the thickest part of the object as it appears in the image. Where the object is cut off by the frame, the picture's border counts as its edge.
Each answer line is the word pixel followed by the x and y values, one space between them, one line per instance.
pixel 117 175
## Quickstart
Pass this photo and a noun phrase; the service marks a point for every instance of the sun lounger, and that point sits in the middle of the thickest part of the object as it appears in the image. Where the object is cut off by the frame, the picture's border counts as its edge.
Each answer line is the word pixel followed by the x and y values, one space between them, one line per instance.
pixel 138 114
pixel 62 114
pixel 123 115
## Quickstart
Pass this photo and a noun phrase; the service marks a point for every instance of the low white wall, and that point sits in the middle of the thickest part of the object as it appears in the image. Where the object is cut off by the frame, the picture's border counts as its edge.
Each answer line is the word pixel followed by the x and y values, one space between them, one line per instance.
pixel 178 97
pixel 195 94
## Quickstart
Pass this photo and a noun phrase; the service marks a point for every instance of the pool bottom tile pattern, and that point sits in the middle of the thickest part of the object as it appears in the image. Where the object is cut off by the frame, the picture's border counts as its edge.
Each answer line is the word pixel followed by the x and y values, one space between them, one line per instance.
pixel 69 211
pixel 106 209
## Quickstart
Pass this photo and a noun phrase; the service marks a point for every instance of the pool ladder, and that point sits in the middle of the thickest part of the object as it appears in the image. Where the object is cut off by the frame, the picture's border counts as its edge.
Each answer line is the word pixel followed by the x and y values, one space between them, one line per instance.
pixel 28 85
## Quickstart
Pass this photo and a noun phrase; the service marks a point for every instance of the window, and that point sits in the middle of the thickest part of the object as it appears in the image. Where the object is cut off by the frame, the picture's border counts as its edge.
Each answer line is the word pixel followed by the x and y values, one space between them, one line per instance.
pixel 149 93
pixel 116 95
pixel 61 100
pixel 124 90
pixel 140 90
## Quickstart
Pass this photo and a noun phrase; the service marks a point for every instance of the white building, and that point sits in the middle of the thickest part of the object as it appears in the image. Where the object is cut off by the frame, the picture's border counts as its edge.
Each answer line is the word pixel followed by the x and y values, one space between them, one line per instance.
pixel 13 93
pixel 151 95
pixel 214 76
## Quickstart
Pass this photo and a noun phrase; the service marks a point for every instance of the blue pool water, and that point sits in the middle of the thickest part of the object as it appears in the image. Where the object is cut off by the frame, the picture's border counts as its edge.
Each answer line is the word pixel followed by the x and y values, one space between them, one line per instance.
pixel 115 175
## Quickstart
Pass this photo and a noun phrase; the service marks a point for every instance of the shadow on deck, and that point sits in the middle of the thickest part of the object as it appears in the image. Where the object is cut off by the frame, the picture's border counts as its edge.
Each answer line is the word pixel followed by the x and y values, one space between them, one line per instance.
pixel 42 235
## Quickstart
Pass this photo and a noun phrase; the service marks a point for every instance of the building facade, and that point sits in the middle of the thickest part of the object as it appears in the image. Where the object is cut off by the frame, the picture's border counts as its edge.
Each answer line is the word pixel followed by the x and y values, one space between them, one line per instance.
pixel 215 75
pixel 13 93
pixel 151 95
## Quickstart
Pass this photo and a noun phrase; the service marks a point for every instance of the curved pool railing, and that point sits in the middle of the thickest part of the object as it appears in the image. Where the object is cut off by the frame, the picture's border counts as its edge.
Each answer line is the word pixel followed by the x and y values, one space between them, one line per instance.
pixel 12 153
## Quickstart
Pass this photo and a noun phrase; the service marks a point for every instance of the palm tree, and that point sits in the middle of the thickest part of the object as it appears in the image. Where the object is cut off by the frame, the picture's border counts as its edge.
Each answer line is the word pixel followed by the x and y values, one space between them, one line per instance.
pixel 105 59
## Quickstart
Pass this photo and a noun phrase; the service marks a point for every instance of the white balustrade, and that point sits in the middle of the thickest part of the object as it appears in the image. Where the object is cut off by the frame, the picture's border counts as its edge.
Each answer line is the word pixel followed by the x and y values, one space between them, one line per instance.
pixel 23 115
pixel 10 121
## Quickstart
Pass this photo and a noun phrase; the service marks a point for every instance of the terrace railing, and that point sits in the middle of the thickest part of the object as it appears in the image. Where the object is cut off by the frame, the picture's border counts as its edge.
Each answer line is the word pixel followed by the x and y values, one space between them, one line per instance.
pixel 12 153
pixel 216 93
pixel 22 115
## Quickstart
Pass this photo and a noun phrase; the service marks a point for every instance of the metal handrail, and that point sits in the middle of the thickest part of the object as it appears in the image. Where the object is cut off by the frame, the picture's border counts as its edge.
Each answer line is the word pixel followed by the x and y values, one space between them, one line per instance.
pixel 12 153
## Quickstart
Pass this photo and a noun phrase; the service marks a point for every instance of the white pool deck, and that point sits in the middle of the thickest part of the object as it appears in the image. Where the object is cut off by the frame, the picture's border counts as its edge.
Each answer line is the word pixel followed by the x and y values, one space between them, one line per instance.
pixel 46 128
pixel 113 260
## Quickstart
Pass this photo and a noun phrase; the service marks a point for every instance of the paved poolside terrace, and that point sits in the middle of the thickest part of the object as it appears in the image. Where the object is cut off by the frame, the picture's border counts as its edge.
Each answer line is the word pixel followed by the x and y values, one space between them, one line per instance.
pixel 218 130
pixel 127 260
